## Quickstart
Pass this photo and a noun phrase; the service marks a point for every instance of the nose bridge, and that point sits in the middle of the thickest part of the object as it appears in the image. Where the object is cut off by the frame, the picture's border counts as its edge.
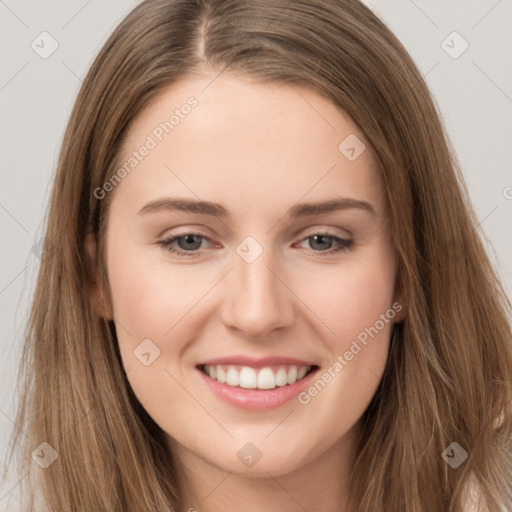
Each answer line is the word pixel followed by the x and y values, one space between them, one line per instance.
pixel 257 282
pixel 253 257
pixel 257 300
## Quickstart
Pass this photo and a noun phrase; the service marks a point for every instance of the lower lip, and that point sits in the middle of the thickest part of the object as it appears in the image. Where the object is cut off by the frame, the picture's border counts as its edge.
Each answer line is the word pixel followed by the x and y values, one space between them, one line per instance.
pixel 257 399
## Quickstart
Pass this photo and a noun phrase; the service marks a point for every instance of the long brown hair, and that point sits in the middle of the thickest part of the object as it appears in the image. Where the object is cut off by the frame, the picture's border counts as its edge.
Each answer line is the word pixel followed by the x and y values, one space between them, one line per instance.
pixel 448 377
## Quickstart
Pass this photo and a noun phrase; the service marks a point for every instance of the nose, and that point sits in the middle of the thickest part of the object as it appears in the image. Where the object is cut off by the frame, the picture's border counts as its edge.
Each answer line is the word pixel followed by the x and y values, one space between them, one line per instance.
pixel 258 299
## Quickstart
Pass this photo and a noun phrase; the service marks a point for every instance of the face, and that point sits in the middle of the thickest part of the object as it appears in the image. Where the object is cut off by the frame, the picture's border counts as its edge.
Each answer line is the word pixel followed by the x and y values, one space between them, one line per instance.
pixel 247 240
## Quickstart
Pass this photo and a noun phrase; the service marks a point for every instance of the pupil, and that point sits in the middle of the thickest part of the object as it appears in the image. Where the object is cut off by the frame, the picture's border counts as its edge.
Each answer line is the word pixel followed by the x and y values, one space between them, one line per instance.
pixel 321 237
pixel 189 239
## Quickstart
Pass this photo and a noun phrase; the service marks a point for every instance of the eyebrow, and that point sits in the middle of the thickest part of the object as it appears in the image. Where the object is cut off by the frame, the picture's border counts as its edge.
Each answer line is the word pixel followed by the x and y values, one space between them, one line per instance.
pixel 216 209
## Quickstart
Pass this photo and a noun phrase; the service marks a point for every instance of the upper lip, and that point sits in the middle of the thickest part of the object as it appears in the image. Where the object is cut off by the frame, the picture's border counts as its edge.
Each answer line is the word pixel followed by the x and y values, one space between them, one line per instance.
pixel 257 362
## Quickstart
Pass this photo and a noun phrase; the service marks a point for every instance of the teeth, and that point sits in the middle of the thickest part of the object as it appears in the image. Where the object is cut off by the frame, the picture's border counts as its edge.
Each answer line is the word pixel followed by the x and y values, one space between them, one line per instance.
pixel 249 378
pixel 300 374
pixel 292 375
pixel 266 379
pixel 232 377
pixel 221 374
pixel 282 377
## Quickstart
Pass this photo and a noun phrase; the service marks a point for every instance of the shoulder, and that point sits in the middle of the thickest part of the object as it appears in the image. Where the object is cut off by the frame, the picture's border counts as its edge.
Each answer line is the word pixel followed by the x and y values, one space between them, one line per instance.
pixel 472 497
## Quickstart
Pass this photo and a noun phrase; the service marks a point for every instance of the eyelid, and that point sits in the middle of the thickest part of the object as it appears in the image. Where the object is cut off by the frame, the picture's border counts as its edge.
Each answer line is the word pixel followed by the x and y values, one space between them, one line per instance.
pixel 177 231
pixel 315 229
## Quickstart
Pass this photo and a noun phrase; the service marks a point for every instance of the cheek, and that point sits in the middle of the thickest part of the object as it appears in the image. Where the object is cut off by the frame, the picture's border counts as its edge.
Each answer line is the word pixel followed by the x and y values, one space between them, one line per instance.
pixel 149 298
pixel 355 306
pixel 351 298
pixel 152 307
pixel 359 308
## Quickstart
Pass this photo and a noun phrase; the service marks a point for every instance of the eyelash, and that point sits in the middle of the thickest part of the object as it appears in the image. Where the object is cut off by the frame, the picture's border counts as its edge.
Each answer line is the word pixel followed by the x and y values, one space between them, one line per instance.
pixel 344 244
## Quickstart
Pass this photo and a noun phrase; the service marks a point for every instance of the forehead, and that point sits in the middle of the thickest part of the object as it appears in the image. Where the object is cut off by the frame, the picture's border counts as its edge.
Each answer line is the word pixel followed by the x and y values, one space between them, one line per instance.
pixel 230 139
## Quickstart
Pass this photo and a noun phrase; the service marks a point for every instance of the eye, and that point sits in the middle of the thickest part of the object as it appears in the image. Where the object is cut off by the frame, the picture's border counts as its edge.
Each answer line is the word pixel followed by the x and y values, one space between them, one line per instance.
pixel 187 244
pixel 326 241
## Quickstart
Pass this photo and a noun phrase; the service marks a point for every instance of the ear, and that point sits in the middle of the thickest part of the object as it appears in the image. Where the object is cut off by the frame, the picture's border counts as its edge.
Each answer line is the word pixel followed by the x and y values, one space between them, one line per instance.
pixel 96 288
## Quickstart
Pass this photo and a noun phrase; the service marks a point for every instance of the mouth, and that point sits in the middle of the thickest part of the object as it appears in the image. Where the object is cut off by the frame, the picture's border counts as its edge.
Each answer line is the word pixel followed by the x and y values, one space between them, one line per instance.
pixel 266 378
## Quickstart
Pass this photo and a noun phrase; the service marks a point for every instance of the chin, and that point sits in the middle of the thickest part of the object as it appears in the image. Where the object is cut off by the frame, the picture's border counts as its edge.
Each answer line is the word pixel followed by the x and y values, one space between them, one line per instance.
pixel 254 459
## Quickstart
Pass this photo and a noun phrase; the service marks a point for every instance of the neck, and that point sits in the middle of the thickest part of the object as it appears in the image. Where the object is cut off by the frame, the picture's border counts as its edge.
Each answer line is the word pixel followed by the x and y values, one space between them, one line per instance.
pixel 320 484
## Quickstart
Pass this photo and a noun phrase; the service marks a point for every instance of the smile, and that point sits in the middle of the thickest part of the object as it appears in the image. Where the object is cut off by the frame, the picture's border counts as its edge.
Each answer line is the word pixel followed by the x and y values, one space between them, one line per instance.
pixel 246 377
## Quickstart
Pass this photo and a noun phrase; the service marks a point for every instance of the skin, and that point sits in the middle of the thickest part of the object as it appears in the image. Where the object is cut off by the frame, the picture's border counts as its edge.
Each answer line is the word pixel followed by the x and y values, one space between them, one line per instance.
pixel 257 149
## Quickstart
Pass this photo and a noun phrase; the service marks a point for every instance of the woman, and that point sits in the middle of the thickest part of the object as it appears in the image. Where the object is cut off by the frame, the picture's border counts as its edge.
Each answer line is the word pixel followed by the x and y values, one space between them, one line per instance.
pixel 260 369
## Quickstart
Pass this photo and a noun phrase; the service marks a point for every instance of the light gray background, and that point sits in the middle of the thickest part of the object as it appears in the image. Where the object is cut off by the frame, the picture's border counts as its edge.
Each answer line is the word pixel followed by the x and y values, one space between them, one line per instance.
pixel 473 91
